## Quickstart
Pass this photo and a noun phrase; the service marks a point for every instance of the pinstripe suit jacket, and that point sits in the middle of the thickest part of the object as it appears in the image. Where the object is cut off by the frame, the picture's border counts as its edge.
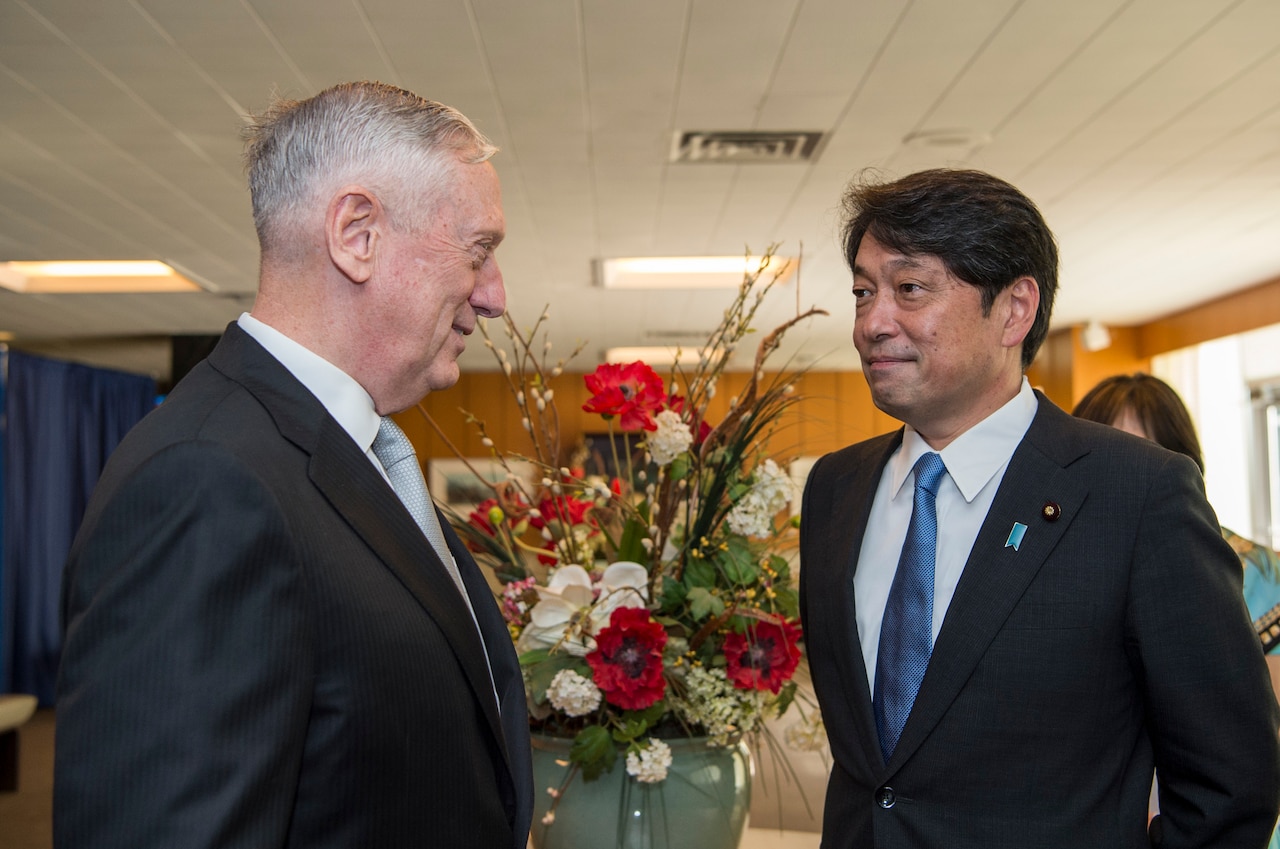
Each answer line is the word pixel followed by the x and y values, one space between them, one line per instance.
pixel 1112 640
pixel 263 650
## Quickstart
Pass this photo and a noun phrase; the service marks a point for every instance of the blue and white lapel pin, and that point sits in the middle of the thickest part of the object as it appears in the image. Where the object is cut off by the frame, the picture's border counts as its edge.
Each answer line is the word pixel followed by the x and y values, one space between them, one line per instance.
pixel 1016 534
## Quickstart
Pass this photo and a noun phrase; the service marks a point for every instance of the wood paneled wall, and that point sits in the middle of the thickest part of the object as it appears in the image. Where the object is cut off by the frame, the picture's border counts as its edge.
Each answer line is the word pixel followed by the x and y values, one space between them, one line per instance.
pixel 834 410
pixel 1065 371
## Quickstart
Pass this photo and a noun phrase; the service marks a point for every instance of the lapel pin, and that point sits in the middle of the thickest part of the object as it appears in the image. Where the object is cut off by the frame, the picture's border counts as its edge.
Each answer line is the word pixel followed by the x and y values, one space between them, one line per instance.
pixel 1015 536
pixel 1051 511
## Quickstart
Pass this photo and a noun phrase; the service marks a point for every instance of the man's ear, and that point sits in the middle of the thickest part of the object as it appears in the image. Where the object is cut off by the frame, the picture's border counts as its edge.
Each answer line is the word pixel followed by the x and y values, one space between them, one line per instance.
pixel 353 229
pixel 1024 301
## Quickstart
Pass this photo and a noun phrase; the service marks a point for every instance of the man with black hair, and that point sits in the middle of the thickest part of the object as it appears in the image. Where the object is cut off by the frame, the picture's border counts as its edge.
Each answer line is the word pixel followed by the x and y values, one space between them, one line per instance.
pixel 1014 617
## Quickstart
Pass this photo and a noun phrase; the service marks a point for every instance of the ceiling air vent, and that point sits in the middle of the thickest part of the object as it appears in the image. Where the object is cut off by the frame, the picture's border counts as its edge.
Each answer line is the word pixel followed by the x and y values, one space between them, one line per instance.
pixel 745 146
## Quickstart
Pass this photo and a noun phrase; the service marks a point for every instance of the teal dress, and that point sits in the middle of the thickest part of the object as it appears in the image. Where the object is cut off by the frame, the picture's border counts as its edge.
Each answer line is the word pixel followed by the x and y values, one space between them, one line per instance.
pixel 1261 591
pixel 1261 575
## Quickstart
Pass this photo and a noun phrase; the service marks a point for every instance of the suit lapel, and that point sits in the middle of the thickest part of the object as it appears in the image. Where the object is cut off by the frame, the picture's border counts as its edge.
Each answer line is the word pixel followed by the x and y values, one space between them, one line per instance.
pixel 365 501
pixel 995 575
pixel 851 499
pixel 355 489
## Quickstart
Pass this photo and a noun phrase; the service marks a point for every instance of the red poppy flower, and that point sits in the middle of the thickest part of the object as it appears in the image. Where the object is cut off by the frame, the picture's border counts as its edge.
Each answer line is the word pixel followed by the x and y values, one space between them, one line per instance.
pixel 632 392
pixel 627 661
pixel 764 658
pixel 562 508
pixel 557 511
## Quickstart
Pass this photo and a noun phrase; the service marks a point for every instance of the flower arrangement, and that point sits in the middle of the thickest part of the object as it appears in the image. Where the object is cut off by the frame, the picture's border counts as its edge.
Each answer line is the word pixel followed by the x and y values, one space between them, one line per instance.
pixel 654 603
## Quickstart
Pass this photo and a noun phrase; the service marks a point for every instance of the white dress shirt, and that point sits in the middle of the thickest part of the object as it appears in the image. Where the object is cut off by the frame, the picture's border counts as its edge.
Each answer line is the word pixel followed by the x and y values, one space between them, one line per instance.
pixel 976 461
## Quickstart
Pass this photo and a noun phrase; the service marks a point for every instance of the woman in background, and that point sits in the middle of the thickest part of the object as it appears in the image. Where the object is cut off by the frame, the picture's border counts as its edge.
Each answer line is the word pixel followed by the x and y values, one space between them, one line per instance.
pixel 1146 406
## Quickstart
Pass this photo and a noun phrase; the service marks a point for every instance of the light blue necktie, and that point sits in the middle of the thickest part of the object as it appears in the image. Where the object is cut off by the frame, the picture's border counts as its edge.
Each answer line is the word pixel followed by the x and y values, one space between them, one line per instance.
pixel 906 634
pixel 395 452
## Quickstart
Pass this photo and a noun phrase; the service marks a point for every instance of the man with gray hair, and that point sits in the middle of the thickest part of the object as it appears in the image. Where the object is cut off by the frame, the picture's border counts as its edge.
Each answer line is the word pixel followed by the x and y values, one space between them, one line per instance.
pixel 271 637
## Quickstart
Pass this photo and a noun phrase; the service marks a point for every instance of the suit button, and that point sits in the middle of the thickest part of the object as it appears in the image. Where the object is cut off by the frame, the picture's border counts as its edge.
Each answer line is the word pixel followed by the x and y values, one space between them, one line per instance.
pixel 885 797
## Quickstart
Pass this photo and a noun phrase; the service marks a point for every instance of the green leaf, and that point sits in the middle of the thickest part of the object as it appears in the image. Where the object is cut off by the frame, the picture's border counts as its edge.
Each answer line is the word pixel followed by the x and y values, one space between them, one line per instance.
pixel 699 573
pixel 786 696
pixel 593 751
pixel 534 657
pixel 787 602
pixel 632 725
pixel 739 563
pixel 673 594
pixel 703 604
pixel 679 468
pixel 631 546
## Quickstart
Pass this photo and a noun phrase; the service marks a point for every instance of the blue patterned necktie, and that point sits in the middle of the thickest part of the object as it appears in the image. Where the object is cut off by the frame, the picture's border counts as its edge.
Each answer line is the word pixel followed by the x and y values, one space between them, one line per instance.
pixel 906 634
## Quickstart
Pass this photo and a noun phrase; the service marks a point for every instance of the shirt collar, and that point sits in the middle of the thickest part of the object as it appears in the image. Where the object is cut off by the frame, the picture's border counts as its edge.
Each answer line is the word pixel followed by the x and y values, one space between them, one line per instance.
pixel 340 393
pixel 974 457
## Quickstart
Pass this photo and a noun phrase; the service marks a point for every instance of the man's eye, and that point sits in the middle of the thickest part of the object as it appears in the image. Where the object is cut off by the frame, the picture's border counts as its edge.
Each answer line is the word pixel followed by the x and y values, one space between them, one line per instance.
pixel 860 292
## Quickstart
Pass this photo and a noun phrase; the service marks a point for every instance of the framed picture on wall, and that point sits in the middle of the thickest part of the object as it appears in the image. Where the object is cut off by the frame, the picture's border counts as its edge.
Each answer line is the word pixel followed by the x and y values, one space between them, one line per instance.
pixel 454 484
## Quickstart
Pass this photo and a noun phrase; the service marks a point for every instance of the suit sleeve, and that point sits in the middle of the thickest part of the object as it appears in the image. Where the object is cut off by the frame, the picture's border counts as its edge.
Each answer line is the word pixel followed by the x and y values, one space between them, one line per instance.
pixel 185 680
pixel 1209 702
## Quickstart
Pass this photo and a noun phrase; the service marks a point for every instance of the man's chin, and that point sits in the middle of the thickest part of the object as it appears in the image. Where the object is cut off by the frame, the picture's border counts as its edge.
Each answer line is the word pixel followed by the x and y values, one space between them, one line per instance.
pixel 442 376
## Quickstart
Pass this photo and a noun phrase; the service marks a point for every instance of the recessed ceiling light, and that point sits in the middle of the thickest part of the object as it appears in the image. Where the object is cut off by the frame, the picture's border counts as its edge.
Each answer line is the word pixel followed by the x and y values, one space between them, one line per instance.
pixel 684 272
pixel 93 277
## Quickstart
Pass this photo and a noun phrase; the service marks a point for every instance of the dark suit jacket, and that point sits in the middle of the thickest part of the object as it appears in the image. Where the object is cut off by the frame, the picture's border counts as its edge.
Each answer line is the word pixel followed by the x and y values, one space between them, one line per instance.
pixel 262 649
pixel 1114 639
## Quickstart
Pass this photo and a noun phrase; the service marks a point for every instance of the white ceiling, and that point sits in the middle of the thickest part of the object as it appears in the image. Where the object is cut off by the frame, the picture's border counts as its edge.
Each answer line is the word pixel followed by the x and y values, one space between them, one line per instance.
pixel 1148 131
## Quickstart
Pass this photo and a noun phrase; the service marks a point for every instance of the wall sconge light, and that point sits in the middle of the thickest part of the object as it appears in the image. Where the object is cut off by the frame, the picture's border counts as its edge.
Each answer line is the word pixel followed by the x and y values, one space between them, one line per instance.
pixel 1095 336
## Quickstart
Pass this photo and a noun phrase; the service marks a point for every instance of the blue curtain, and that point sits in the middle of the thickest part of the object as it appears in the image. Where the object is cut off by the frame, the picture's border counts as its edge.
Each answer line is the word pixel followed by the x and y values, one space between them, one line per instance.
pixel 62 420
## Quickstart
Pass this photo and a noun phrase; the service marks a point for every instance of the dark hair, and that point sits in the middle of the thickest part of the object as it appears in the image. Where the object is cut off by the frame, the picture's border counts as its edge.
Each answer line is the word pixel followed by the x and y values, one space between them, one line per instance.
pixel 985 231
pixel 1155 404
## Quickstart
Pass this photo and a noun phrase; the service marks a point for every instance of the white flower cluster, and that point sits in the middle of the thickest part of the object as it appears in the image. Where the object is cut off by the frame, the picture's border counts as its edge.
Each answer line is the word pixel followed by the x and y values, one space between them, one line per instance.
pixel 671 439
pixel 651 763
pixel 753 515
pixel 724 711
pixel 573 694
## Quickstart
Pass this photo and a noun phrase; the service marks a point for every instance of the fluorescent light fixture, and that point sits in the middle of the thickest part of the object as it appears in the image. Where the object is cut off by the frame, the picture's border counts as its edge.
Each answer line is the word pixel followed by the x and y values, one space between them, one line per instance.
pixel 684 272
pixel 93 277
pixel 659 355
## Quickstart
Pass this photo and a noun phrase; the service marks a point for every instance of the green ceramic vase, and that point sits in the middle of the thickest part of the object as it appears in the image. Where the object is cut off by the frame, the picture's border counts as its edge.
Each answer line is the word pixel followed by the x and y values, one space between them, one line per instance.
pixel 702 804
